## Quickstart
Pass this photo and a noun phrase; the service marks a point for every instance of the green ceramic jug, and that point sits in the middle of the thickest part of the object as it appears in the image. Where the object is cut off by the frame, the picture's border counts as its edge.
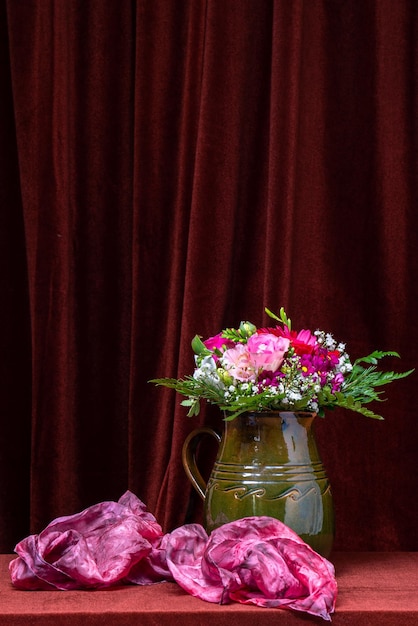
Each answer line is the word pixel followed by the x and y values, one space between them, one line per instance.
pixel 268 464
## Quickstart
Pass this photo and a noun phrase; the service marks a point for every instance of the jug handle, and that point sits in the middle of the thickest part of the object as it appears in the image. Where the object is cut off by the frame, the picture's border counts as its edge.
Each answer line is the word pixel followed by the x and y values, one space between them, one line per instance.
pixel 188 456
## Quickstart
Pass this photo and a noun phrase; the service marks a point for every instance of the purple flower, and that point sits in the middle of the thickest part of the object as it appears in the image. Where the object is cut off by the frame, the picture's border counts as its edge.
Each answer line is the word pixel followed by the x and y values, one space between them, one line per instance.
pixel 337 382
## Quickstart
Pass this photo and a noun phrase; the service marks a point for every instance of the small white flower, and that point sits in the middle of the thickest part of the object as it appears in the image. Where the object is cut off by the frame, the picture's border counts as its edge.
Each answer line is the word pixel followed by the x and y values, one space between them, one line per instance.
pixel 329 341
pixel 207 373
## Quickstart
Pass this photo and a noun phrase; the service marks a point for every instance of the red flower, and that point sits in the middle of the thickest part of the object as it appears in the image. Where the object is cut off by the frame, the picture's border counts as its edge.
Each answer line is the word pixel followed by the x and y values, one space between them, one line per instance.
pixel 303 342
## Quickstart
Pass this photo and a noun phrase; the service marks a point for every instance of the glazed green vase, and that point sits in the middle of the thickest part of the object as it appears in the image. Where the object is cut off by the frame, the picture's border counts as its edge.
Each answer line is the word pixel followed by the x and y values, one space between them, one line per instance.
pixel 268 464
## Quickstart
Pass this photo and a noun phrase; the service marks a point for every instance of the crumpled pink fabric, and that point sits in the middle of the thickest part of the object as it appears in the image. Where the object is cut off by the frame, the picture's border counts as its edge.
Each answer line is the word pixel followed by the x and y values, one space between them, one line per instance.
pixel 254 560
pixel 103 545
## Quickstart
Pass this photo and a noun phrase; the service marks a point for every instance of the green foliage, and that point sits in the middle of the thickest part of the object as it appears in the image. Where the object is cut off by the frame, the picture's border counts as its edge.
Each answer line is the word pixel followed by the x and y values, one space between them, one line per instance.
pixel 360 385
pixel 362 382
pixel 283 317
pixel 198 346
pixel 240 335
pixel 195 391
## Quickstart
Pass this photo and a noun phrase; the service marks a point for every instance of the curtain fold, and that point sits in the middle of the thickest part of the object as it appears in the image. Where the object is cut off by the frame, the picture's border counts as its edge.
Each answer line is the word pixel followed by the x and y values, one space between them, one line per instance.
pixel 170 168
pixel 15 361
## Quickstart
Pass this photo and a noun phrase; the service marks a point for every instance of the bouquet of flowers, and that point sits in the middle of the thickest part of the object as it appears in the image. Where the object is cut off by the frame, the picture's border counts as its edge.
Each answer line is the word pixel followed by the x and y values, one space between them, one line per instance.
pixel 280 369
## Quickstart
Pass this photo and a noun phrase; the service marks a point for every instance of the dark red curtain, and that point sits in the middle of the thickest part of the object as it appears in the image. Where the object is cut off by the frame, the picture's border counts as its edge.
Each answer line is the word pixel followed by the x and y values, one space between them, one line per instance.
pixel 172 167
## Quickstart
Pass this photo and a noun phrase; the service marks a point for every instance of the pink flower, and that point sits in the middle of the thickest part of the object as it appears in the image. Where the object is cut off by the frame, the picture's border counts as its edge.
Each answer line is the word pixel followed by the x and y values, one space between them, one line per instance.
pixel 217 342
pixel 267 351
pixel 238 363
pixel 303 341
pixel 337 382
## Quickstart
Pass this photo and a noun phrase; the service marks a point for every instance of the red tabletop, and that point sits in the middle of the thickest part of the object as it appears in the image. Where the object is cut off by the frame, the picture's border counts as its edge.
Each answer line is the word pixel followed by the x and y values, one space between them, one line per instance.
pixel 375 589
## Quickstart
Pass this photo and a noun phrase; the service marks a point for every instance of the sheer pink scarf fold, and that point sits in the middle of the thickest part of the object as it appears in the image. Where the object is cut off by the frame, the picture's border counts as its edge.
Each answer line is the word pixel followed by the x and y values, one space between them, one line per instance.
pixel 255 560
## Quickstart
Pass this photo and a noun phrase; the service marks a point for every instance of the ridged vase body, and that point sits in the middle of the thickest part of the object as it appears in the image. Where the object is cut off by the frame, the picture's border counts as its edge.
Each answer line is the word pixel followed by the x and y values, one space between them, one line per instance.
pixel 268 464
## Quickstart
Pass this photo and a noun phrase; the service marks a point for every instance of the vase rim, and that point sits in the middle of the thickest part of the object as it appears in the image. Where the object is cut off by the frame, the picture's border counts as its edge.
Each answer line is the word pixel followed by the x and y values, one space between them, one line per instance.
pixel 300 414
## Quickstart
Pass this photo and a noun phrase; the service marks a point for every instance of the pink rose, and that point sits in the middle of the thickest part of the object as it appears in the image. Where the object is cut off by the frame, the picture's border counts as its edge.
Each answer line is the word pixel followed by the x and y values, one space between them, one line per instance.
pixel 238 363
pixel 303 341
pixel 267 351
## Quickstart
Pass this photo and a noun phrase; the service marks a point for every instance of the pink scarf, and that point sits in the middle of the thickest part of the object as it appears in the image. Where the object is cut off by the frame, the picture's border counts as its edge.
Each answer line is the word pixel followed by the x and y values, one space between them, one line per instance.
pixel 255 560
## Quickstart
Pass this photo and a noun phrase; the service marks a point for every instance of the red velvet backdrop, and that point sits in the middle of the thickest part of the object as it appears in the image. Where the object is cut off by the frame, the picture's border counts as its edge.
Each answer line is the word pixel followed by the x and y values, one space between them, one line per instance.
pixel 171 167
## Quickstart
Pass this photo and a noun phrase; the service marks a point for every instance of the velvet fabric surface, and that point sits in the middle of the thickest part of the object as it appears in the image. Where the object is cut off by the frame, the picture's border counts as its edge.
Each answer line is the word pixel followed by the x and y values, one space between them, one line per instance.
pixel 170 168
pixel 374 589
